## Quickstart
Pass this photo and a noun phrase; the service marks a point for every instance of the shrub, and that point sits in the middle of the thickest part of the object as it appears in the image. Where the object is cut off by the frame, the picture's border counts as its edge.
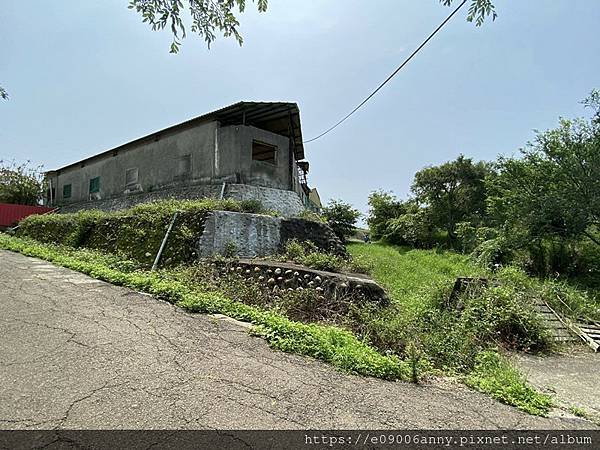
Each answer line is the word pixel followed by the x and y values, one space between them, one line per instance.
pixel 306 253
pixel 251 206
pixel 412 229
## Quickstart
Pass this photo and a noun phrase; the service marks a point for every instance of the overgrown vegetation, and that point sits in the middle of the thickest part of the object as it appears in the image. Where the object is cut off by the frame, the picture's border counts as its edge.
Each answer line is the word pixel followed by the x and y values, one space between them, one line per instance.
pixel 20 183
pixel 341 217
pixel 307 254
pixel 494 375
pixel 539 211
pixel 135 233
pixel 452 336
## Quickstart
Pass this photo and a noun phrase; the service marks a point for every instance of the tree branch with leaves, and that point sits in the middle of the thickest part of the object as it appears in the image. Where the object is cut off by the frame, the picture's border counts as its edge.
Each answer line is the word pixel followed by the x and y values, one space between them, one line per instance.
pixel 207 17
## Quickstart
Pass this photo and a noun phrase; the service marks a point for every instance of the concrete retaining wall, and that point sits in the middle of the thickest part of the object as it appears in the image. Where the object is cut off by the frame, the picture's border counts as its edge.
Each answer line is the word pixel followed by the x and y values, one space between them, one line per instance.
pixel 252 235
pixel 246 235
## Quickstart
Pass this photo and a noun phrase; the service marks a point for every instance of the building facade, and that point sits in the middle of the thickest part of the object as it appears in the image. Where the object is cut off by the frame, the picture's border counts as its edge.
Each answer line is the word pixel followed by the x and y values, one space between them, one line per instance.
pixel 249 150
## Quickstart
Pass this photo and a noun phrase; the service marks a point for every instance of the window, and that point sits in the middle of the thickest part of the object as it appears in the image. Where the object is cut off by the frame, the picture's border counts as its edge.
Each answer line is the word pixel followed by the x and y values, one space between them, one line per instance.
pixel 94 185
pixel 67 191
pixel 263 152
pixel 131 176
pixel 184 165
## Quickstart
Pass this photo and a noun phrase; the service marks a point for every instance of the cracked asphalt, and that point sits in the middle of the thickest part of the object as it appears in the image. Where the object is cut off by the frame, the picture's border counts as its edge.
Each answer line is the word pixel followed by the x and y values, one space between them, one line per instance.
pixel 78 353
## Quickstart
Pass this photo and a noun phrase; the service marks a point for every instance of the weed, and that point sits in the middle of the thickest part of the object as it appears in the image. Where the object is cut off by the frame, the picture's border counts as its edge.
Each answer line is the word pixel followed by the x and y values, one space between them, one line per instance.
pixel 579 412
pixel 495 376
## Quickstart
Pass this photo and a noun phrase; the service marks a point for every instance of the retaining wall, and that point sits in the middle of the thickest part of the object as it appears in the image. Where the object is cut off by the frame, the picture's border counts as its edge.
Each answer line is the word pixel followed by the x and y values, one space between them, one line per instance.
pixel 276 276
pixel 252 235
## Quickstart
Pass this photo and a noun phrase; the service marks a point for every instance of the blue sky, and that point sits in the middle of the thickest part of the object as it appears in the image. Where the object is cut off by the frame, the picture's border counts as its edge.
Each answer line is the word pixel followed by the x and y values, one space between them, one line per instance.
pixel 85 76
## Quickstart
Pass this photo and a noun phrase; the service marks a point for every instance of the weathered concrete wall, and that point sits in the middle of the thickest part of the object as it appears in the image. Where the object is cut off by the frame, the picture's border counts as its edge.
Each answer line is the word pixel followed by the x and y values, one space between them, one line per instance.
pixel 286 203
pixel 160 163
pixel 259 235
pixel 235 157
pixel 249 235
pixel 204 154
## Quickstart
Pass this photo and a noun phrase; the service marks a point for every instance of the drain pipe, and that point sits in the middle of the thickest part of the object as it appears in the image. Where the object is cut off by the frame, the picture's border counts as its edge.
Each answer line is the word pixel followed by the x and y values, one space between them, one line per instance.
pixel 164 242
pixel 222 191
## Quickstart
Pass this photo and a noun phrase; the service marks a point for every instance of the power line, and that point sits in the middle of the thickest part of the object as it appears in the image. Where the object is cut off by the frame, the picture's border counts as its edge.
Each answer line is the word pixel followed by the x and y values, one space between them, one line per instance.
pixel 391 76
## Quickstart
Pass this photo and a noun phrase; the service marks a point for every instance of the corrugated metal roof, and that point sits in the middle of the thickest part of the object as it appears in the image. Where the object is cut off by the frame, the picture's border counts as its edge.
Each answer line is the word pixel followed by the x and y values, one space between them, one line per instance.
pixel 278 117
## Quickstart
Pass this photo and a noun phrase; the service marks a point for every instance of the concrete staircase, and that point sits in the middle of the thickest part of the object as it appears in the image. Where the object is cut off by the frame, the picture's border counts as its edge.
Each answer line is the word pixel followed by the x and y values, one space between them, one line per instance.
pixel 557 327
pixel 565 330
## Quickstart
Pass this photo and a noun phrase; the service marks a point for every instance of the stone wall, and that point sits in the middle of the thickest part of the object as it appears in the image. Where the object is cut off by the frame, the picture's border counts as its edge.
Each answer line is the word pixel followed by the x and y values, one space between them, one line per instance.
pixel 286 203
pixel 276 276
pixel 252 235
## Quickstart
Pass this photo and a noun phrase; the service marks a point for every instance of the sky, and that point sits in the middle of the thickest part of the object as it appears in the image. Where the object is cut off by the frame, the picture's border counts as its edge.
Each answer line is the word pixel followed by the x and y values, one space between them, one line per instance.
pixel 86 76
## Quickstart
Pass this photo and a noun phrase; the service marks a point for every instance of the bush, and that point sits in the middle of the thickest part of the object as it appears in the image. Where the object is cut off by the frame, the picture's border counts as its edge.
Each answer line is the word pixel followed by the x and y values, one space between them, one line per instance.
pixel 412 229
pixel 251 206
pixel 323 261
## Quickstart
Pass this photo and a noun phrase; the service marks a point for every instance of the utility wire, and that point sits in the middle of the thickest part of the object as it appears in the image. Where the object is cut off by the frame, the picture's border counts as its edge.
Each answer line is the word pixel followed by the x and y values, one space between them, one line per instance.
pixel 391 76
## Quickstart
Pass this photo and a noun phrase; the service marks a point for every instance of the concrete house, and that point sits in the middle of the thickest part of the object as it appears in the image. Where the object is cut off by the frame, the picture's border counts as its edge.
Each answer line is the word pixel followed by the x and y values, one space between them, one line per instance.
pixel 249 150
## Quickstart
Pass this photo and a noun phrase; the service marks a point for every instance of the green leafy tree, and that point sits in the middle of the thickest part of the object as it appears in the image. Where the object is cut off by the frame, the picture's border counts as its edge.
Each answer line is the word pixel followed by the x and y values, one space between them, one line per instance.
pixel 553 190
pixel 20 184
pixel 593 102
pixel 341 217
pixel 412 228
pixel 383 207
pixel 452 192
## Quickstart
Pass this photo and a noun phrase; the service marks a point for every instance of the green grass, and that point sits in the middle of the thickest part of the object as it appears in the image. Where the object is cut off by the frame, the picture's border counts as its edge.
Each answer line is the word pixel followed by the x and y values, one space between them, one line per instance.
pixel 579 412
pixel 460 341
pixel 410 275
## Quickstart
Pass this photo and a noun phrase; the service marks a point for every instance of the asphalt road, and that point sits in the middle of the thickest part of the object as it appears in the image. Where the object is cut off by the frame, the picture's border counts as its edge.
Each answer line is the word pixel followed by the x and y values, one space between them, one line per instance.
pixel 78 353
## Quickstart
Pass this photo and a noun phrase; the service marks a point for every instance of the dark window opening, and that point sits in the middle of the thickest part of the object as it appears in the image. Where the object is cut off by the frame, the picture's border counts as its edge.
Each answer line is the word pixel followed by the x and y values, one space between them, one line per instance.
pixel 263 152
pixel 131 176
pixel 51 195
pixel 67 191
pixel 94 185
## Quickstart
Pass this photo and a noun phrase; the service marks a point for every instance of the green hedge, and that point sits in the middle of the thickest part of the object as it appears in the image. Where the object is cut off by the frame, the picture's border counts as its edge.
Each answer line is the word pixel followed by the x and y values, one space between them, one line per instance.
pixel 135 233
